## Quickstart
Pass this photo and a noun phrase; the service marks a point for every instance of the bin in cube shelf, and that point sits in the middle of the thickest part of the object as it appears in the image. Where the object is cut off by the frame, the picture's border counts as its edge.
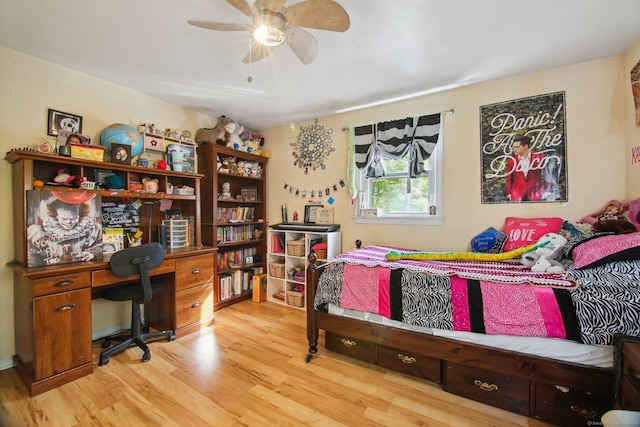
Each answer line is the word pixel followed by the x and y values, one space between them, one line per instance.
pixel 177 232
pixel 295 247
pixel 295 299
pixel 276 269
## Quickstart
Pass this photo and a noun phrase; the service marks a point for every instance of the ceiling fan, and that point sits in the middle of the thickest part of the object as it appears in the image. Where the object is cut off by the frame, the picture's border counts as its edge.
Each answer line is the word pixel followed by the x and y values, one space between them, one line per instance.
pixel 272 25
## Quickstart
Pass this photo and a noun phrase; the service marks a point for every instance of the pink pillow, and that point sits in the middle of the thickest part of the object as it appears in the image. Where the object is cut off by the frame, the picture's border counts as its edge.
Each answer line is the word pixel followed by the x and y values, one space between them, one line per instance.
pixel 605 249
pixel 591 218
pixel 524 231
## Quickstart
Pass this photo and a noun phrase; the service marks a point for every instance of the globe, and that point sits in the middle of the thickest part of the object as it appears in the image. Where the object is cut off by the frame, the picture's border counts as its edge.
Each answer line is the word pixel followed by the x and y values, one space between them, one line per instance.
pixel 119 133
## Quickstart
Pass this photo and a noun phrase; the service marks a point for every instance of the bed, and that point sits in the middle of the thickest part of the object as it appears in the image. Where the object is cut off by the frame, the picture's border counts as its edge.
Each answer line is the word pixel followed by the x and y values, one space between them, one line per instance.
pixel 556 365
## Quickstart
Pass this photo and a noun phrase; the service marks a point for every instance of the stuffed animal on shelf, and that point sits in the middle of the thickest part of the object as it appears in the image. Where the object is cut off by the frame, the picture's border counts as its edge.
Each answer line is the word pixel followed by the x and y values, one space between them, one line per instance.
pixel 546 258
pixel 227 132
pixel 150 185
pixel 63 178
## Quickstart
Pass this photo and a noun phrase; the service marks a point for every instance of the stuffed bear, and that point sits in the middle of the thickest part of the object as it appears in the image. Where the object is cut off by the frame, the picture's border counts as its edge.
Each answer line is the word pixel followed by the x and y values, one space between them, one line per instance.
pixel 547 257
pixel 150 185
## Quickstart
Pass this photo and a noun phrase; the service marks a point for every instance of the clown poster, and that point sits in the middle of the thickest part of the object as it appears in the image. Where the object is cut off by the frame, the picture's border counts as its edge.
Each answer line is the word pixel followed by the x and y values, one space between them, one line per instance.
pixel 63 227
pixel 523 150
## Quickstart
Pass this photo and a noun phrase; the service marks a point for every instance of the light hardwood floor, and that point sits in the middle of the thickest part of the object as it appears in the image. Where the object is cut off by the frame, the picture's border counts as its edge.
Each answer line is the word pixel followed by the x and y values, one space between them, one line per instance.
pixel 247 370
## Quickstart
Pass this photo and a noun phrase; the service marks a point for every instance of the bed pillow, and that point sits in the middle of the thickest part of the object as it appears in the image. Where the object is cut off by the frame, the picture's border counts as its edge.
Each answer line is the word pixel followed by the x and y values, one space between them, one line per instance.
pixel 524 231
pixel 489 241
pixel 601 250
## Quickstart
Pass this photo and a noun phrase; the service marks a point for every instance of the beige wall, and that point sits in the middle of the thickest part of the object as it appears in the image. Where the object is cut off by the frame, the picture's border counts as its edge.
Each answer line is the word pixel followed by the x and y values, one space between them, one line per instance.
pixel 597 104
pixel 28 87
pixel 596 95
pixel 632 131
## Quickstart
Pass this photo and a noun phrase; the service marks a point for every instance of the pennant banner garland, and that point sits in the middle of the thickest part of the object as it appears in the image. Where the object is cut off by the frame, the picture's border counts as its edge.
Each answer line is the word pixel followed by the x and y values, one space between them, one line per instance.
pixel 320 192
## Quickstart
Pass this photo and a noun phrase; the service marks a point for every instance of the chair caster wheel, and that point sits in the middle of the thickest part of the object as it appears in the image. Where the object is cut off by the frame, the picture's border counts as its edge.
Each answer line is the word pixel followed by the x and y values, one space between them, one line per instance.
pixel 146 356
pixel 307 359
pixel 103 360
pixel 172 337
pixel 106 343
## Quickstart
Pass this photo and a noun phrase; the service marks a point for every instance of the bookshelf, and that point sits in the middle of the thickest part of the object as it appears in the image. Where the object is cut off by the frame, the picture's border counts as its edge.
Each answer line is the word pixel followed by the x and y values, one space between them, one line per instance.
pixel 233 194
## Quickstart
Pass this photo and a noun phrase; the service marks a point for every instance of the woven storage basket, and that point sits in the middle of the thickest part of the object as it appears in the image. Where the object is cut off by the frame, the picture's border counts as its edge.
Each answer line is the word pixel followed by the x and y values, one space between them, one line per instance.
pixel 321 253
pixel 295 299
pixel 295 247
pixel 276 270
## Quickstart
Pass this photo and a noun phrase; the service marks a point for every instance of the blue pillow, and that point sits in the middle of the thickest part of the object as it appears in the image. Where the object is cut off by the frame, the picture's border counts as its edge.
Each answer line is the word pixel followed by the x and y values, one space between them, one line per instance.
pixel 489 241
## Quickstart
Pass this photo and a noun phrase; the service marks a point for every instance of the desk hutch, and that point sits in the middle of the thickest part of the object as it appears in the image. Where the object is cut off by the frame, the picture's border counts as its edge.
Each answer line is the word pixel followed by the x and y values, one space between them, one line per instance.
pixel 53 303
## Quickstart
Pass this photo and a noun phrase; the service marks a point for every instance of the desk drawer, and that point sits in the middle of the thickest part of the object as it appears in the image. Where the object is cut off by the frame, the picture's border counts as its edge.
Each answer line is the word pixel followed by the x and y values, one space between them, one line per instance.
pixel 193 271
pixel 496 389
pixel 351 347
pixel 62 283
pixel 408 363
pixel 106 277
pixel 193 305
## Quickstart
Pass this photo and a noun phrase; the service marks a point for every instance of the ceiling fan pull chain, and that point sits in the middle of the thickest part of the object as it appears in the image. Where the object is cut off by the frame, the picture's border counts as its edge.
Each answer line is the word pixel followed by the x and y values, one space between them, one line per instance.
pixel 250 78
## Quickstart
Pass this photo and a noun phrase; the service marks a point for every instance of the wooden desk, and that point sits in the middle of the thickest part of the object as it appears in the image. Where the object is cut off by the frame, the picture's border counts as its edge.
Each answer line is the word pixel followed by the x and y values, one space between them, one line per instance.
pixel 53 311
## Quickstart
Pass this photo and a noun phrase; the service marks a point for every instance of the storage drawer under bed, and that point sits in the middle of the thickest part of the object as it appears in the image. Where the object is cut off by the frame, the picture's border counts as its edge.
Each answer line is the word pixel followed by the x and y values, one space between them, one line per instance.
pixel 351 347
pixel 409 363
pixel 494 388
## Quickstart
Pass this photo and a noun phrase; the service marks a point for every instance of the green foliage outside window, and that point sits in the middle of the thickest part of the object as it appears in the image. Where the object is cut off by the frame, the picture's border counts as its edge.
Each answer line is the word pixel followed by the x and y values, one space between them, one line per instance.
pixel 390 194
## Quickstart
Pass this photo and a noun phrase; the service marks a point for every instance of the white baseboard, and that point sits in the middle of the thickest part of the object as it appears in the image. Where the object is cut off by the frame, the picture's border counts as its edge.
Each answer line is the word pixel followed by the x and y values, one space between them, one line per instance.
pixel 6 363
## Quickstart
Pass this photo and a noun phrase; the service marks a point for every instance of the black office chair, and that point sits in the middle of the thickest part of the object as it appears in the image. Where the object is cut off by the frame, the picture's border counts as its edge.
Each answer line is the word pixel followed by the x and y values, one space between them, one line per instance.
pixel 125 263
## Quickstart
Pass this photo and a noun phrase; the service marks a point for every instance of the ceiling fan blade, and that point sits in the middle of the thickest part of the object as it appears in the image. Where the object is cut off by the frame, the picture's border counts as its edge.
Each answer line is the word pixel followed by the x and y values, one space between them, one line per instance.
pixel 303 44
pixel 242 6
pixel 258 51
pixel 319 14
pixel 274 5
pixel 220 26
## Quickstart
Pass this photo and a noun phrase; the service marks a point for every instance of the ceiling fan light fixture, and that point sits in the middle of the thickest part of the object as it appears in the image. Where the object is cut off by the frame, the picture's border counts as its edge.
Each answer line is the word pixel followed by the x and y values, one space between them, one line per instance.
pixel 269 28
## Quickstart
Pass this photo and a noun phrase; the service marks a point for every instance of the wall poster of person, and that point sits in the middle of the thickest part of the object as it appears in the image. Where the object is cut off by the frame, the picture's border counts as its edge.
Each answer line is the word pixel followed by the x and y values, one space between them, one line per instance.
pixel 524 150
pixel 63 227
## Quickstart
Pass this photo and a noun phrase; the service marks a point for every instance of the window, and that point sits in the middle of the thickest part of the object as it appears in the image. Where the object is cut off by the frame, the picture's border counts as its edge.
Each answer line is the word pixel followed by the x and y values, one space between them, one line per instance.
pixel 400 199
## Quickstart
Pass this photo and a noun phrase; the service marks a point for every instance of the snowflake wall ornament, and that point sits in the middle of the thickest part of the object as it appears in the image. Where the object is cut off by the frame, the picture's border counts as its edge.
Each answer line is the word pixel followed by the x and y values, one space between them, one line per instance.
pixel 312 147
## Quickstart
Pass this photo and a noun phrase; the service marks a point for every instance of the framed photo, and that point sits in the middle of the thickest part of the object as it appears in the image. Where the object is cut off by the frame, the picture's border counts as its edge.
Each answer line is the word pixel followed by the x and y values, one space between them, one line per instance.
pixel 311 213
pixel 121 153
pixel 249 194
pixel 58 120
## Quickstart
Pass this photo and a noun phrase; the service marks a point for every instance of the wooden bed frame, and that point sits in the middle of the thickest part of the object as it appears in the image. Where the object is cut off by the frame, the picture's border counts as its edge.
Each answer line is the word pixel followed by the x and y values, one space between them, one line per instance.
pixel 554 391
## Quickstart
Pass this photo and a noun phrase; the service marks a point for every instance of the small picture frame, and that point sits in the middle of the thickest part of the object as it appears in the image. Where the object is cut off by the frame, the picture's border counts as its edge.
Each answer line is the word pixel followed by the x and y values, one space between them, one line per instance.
pixel 121 153
pixel 249 194
pixel 58 120
pixel 311 213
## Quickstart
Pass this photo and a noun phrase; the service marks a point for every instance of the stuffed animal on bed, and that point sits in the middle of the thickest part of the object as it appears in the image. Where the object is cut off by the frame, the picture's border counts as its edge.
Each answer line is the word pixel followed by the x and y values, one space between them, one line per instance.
pixel 546 258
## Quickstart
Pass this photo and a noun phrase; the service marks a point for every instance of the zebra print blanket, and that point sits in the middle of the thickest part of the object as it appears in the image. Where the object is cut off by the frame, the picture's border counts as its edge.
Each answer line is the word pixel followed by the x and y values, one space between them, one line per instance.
pixel 606 302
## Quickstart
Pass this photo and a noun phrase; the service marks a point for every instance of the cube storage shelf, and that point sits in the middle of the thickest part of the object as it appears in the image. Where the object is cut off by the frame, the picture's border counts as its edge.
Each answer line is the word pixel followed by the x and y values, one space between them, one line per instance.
pixel 287 259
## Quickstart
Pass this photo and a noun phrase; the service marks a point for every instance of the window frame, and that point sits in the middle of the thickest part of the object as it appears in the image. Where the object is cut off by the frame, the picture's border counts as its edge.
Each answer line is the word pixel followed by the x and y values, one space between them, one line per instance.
pixel 435 192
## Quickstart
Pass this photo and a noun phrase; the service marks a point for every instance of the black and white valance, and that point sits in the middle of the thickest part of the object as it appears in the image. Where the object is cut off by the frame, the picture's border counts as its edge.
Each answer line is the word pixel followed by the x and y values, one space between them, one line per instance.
pixel 412 136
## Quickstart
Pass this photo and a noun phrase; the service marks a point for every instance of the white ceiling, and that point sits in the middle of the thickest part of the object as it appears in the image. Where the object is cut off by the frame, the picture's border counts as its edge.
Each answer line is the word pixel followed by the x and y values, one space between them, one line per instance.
pixel 393 48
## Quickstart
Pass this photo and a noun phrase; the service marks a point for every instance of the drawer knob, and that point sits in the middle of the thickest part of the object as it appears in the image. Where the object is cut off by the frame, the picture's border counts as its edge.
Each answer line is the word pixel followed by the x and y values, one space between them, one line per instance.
pixel 196 304
pixel 348 343
pixel 407 359
pixel 584 413
pixel 485 386
pixel 65 307
pixel 195 271
pixel 63 283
